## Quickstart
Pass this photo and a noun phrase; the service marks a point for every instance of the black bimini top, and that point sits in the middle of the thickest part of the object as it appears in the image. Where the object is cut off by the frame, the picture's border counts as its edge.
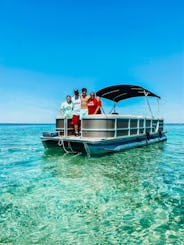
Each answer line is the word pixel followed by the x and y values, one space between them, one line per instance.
pixel 122 92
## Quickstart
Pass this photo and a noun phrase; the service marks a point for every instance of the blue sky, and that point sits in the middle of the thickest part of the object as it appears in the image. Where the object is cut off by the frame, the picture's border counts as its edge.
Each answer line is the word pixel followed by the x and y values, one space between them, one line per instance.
pixel 48 48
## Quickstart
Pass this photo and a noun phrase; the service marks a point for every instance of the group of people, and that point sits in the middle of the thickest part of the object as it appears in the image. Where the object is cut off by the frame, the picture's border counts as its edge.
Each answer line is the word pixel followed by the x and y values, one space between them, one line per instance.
pixel 79 106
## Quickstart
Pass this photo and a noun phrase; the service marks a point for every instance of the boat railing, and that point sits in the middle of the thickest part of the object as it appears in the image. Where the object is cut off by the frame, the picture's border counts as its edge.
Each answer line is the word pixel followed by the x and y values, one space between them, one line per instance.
pixel 111 126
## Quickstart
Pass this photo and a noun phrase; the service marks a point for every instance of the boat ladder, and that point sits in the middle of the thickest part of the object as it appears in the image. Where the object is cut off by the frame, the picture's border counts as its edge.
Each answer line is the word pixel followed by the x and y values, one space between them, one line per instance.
pixel 68 148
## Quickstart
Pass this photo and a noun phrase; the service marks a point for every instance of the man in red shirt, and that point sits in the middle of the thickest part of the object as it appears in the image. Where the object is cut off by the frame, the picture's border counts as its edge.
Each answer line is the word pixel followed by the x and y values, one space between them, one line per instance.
pixel 94 104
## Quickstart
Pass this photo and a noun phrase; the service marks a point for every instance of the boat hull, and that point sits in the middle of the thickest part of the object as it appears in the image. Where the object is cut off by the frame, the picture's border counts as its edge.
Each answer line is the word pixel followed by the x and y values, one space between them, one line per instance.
pixel 112 147
pixel 100 146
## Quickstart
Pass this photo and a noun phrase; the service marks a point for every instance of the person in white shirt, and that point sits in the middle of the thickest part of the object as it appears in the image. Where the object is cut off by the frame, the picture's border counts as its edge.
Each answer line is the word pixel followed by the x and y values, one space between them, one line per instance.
pixel 76 111
pixel 66 108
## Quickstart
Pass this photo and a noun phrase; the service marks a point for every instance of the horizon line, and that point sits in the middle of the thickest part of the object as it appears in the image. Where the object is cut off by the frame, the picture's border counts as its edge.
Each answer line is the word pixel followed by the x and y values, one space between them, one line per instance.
pixel 19 123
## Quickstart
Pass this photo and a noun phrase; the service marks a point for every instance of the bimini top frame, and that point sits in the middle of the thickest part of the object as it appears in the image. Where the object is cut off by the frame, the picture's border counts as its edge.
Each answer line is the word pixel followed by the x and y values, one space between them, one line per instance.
pixel 122 92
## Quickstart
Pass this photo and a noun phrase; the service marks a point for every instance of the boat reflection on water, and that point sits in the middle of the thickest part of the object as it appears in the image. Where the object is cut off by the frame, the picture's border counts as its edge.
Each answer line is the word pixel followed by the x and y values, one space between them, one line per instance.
pixel 121 170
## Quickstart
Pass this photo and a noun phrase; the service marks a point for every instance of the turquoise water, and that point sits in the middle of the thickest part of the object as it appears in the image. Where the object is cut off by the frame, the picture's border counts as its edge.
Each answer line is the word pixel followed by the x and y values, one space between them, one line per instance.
pixel 133 197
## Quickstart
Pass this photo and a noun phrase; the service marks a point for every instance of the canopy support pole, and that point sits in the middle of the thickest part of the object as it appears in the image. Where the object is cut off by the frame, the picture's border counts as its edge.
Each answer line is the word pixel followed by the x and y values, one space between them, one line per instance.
pixel 113 111
pixel 158 106
pixel 148 104
pixel 114 108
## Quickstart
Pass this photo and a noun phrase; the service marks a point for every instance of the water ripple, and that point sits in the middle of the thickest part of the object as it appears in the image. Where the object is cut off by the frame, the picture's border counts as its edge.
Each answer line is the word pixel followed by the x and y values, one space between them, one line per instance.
pixel 133 197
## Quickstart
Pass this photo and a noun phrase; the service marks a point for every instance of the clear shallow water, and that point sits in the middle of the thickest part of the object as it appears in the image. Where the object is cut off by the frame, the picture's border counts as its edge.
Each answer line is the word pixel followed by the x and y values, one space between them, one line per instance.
pixel 133 197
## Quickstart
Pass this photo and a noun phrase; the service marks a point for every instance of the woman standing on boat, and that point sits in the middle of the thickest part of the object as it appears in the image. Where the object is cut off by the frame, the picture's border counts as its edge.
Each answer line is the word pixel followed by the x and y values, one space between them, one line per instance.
pixel 94 104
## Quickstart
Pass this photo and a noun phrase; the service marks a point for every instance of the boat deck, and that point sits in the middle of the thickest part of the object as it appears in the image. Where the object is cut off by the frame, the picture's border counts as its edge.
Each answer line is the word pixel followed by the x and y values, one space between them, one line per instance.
pixel 78 138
